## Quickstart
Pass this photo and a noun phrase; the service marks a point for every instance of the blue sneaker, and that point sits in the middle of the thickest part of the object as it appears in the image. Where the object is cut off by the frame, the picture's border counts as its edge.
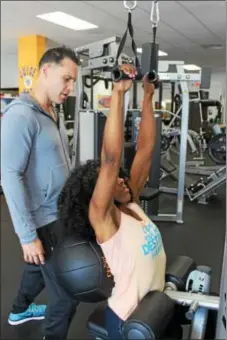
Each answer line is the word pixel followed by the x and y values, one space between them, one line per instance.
pixel 34 312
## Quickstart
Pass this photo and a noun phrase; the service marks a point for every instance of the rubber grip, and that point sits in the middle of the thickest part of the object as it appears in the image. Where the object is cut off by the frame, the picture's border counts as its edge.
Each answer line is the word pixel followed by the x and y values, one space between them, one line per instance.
pixel 118 75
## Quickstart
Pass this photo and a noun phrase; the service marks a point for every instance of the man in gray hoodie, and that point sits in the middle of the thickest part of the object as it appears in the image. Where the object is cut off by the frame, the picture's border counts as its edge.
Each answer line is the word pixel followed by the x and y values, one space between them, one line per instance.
pixel 34 166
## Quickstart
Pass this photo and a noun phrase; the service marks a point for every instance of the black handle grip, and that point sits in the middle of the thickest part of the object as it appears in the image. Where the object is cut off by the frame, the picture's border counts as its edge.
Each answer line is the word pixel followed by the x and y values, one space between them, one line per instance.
pixel 118 75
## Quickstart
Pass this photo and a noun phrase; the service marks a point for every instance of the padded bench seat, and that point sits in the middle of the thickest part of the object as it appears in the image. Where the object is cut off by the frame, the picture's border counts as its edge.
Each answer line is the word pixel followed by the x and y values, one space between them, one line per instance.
pixel 148 194
pixel 148 321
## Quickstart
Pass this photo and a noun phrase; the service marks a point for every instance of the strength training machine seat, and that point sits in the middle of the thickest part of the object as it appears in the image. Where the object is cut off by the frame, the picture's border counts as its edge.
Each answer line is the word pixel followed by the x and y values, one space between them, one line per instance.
pixel 148 194
pixel 148 321
pixel 155 311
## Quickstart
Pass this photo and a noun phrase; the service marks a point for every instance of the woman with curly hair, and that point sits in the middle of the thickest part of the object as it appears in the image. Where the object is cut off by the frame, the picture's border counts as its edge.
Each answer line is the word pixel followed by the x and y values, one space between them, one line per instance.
pixel 100 202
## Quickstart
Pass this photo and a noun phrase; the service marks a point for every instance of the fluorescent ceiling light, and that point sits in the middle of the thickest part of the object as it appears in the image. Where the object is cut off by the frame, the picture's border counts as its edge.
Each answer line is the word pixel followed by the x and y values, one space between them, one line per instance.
pixel 192 67
pixel 160 53
pixel 66 20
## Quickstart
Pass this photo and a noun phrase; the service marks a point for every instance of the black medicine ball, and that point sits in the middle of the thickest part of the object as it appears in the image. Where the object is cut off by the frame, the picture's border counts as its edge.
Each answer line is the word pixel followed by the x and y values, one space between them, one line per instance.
pixel 81 269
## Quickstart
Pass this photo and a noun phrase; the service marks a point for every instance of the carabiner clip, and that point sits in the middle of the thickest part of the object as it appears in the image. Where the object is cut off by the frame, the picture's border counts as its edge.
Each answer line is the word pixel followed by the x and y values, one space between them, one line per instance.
pixel 155 17
pixel 130 5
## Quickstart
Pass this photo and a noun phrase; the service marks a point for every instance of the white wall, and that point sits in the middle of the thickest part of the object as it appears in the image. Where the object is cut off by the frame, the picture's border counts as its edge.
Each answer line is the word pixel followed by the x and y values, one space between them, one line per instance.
pixel 9 70
pixel 9 67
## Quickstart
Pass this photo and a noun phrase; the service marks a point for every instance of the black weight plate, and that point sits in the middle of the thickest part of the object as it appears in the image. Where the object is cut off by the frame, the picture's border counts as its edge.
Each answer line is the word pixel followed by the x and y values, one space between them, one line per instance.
pixel 217 149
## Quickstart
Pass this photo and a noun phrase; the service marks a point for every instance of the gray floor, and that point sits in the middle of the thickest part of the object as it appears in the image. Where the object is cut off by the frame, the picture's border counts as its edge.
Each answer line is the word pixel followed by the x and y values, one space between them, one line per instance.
pixel 201 237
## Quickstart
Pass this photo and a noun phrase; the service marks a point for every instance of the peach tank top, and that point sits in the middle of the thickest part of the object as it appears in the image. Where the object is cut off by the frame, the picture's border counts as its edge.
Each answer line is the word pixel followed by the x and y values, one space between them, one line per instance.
pixel 137 260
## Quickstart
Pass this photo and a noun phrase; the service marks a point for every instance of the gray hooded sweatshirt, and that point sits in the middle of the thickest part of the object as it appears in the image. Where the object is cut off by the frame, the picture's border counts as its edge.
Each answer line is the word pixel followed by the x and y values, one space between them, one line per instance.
pixel 34 165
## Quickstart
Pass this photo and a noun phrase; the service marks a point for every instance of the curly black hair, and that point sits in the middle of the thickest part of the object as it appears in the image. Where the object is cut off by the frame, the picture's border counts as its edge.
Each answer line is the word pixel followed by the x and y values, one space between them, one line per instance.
pixel 73 202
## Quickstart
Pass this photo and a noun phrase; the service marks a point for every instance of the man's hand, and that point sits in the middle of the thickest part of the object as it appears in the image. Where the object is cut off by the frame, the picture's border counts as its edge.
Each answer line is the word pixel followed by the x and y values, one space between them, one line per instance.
pixel 149 88
pixel 125 85
pixel 34 252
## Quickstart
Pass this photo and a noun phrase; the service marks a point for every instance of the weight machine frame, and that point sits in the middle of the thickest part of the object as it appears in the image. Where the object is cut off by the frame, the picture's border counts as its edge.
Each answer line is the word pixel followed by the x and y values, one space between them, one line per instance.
pixel 183 79
pixel 221 321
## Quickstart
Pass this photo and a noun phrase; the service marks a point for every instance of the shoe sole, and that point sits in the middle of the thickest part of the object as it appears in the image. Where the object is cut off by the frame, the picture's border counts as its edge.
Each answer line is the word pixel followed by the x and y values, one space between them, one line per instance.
pixel 19 322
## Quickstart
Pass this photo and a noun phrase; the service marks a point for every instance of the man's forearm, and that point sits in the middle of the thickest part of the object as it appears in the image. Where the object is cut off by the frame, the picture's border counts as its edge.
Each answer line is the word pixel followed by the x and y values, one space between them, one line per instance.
pixel 113 132
pixel 147 130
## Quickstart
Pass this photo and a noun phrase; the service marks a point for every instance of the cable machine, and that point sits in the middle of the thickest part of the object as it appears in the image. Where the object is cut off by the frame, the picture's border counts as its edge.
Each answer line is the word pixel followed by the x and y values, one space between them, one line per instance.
pixel 101 58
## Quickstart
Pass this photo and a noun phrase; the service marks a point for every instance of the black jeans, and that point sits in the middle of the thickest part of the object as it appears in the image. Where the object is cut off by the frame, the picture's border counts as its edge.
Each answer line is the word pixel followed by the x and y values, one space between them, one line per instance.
pixel 61 307
pixel 113 324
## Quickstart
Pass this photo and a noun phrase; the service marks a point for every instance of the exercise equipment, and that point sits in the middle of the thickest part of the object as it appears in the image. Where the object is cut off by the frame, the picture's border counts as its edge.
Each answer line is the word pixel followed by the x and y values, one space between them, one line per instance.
pixel 205 188
pixel 199 191
pixel 199 281
pixel 193 292
pixel 153 314
pixel 150 74
pixel 118 75
pixel 221 322
pixel 102 59
pixel 177 273
pixel 217 148
pixel 82 270
pixel 150 319
pixel 186 284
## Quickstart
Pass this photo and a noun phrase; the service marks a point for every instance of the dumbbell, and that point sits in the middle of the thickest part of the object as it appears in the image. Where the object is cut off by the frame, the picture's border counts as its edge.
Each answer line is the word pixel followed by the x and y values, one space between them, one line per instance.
pixel 118 75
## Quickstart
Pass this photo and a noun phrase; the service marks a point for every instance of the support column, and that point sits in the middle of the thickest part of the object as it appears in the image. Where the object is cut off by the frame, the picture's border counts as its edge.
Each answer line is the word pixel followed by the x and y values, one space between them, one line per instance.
pixel 30 50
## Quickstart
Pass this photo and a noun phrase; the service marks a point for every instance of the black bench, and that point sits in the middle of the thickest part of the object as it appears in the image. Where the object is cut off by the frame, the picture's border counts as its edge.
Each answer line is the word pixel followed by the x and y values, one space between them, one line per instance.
pixel 148 321
pixel 147 195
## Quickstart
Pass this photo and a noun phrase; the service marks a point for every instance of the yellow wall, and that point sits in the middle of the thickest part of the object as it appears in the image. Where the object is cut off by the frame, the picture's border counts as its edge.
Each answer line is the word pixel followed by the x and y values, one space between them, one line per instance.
pixel 30 50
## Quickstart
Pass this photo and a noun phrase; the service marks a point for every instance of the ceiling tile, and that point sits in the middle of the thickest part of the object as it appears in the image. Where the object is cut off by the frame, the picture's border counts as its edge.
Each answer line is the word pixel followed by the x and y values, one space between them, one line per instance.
pixel 211 13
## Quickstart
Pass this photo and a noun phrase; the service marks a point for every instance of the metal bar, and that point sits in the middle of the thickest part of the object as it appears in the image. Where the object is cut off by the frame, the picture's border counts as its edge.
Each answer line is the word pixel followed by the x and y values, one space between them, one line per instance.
pixel 95 135
pixel 179 76
pixel 92 92
pixel 168 190
pixel 155 170
pixel 195 163
pixel 101 42
pixel 183 147
pixel 134 99
pixel 78 102
pixel 186 299
pixel 221 321
pixel 172 95
pixel 87 136
pixel 97 63
pixel 160 96
pixel 164 218
pixel 198 171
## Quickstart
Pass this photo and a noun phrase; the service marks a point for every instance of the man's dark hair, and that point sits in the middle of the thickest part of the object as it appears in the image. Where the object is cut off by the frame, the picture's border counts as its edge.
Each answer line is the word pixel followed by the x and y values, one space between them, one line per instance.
pixel 57 54
pixel 73 202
